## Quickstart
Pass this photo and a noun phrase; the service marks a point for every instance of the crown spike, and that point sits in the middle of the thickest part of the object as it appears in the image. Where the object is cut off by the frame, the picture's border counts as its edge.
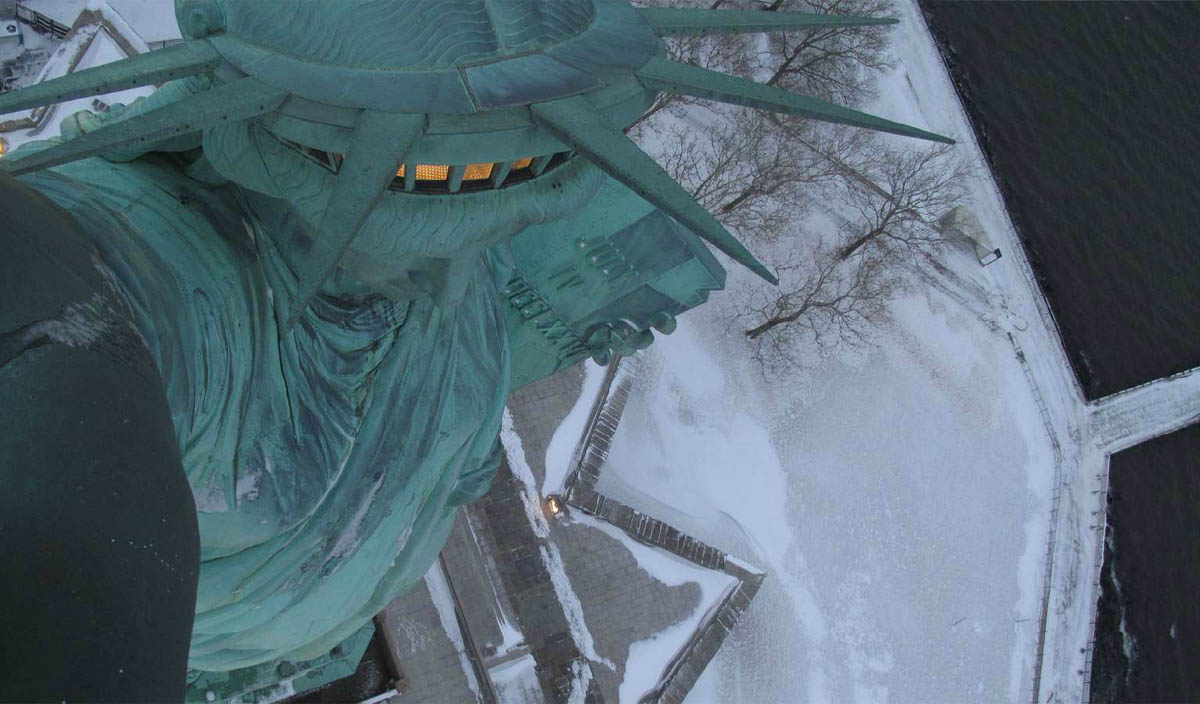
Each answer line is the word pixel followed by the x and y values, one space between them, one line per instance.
pixel 684 22
pixel 684 79
pixel 159 66
pixel 377 149
pixel 575 122
pixel 240 100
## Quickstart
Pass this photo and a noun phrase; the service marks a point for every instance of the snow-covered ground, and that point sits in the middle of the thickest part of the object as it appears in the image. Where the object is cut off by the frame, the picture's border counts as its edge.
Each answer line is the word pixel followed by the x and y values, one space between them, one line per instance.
pixel 443 601
pixel 898 496
pixel 647 657
pixel 154 20
pixel 897 501
pixel 901 498
pixel 138 21
pixel 516 681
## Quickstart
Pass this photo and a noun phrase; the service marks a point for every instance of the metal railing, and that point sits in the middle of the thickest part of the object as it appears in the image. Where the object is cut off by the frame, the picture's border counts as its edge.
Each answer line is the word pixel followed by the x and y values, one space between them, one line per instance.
pixel 41 23
pixel 163 44
pixel 1101 525
pixel 1055 496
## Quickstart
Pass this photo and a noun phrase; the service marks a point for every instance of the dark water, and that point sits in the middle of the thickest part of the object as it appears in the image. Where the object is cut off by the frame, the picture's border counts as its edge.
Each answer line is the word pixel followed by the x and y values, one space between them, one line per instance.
pixel 1090 115
pixel 1154 511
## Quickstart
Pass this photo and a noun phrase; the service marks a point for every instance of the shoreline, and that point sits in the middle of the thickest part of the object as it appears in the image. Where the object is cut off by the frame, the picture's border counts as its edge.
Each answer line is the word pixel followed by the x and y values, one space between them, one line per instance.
pixel 1029 251
pixel 1076 475
pixel 1076 423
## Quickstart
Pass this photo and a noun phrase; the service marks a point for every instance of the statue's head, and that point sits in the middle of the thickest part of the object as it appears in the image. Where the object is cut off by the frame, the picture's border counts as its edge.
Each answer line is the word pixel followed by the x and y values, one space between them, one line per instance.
pixel 437 97
pixel 409 134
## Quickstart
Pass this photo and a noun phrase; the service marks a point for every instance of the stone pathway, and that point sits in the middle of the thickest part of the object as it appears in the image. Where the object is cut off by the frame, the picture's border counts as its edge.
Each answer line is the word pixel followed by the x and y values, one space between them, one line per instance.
pixel 506 605
pixel 681 674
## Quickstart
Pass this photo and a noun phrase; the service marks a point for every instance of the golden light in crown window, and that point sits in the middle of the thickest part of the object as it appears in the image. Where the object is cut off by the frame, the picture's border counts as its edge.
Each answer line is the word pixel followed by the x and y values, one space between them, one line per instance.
pixel 476 172
pixel 432 172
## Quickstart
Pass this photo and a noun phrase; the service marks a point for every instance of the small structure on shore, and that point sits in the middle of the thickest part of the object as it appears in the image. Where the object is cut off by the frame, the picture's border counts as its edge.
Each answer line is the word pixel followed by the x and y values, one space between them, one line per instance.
pixel 960 226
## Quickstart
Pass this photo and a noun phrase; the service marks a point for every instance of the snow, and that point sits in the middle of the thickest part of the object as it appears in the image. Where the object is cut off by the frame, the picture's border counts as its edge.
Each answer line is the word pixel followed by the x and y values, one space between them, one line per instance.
pixel 103 49
pixel 443 601
pixel 510 636
pixel 138 21
pixel 1136 415
pixel 560 453
pixel 381 697
pixel 62 11
pixel 153 20
pixel 350 538
pixel 551 557
pixel 278 692
pixel 1082 435
pixel 1128 641
pixel 516 681
pixel 899 498
pixel 648 658
pixel 920 507
pixel 78 325
pixel 870 532
pixel 581 678
pixel 911 503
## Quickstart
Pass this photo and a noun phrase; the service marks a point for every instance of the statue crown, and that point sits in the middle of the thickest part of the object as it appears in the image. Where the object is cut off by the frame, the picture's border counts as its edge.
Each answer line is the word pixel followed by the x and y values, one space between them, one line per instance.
pixel 395 81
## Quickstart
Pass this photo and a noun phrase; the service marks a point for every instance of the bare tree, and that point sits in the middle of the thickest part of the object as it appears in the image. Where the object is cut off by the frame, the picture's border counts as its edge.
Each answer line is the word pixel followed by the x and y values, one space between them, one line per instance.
pixel 822 300
pixel 889 202
pixel 898 195
pixel 760 174
pixel 743 169
pixel 834 63
pixel 727 53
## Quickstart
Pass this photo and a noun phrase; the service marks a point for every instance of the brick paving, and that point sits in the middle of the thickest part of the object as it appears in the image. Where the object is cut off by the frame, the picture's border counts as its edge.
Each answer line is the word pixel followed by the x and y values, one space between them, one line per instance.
pixel 429 664
pixel 494 562
pixel 526 582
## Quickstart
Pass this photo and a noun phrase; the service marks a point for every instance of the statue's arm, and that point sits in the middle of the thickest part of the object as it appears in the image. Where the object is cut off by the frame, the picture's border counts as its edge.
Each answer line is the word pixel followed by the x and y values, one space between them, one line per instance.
pixel 99 549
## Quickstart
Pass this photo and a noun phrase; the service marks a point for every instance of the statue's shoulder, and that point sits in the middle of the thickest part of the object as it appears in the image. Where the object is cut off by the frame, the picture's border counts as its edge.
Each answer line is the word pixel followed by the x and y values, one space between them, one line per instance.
pixel 154 197
pixel 47 262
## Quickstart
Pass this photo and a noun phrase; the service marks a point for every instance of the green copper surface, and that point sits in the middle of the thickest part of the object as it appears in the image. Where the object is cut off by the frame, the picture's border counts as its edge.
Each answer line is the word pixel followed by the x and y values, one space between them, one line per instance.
pixel 574 121
pixel 377 149
pixel 337 340
pixel 157 67
pixel 242 99
pixel 674 77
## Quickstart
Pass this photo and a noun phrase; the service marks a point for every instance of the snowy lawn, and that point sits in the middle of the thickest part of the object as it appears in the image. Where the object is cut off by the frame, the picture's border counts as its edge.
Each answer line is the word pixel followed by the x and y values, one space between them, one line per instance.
pixel 898 496
pixel 896 499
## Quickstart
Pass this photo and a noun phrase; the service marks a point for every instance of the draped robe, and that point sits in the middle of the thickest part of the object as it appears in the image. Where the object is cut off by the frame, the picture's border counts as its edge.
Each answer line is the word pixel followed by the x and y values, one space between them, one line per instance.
pixel 326 461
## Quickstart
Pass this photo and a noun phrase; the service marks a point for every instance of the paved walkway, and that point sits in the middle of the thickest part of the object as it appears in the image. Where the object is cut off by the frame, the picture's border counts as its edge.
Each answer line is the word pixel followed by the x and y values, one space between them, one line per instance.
pixel 1143 412
pixel 1083 435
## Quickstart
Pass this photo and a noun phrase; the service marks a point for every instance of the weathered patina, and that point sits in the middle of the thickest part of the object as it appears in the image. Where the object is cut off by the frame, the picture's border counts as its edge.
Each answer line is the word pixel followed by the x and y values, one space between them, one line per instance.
pixel 344 231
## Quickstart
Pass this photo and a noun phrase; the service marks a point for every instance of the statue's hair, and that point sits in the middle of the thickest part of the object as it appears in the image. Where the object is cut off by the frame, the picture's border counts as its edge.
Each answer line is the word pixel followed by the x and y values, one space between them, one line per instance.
pixel 437 35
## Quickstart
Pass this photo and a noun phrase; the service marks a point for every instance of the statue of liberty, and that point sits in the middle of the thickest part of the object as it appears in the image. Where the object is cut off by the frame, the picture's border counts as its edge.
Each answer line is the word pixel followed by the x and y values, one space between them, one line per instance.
pixel 257 329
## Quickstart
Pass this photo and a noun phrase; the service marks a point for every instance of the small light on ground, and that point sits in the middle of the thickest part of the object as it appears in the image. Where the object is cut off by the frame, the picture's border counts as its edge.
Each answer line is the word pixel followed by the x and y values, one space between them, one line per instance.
pixel 554 504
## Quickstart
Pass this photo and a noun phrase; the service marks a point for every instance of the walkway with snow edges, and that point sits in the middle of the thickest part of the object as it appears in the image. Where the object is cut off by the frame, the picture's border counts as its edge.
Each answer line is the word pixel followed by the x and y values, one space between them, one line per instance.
pixel 1084 434
pixel 1136 415
pixel 682 673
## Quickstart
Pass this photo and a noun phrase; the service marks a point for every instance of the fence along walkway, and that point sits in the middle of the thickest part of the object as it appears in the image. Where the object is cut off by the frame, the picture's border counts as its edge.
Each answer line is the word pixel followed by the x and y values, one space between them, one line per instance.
pixel 579 489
